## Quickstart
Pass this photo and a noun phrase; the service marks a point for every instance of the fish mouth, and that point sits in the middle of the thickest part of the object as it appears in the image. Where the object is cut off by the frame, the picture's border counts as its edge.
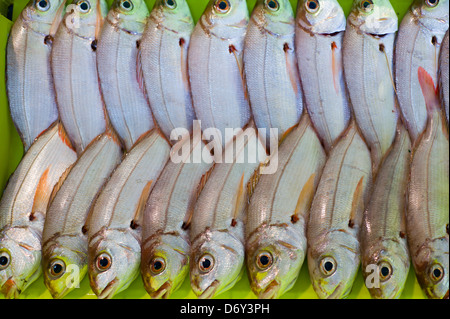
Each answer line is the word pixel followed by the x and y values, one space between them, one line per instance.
pixel 59 295
pixel 271 290
pixel 163 291
pixel 336 292
pixel 209 292
pixel 109 290
pixel 10 289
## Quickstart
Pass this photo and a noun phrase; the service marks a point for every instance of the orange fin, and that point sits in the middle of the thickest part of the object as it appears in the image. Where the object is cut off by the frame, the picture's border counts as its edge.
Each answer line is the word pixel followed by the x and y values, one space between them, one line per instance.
pixel 357 198
pixel 239 202
pixel 64 137
pixel 291 69
pixel 286 133
pixel 141 205
pixel 42 195
pixel 429 90
pixel 334 66
pixel 305 198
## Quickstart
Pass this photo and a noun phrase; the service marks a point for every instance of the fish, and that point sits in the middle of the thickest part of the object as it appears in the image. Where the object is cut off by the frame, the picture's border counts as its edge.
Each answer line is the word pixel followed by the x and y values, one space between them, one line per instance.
pixel 319 34
pixel 64 238
pixel 119 70
pixel 164 48
pixel 165 238
pixel 215 68
pixel 270 66
pixel 115 223
pixel 336 214
pixel 278 211
pixel 217 226
pixel 368 51
pixel 418 45
pixel 29 81
pixel 74 69
pixel 23 208
pixel 428 201
pixel 384 248
pixel 444 75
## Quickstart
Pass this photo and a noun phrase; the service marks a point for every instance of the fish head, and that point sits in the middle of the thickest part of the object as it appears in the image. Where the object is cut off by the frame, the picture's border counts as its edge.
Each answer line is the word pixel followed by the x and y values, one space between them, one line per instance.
pixel 333 264
pixel 114 260
pixel 43 16
pixel 64 265
pixel 321 16
pixel 85 17
pixel 225 18
pixel 374 17
pixel 274 256
pixel 432 14
pixel 173 14
pixel 432 271
pixel 20 260
pixel 390 267
pixel 217 260
pixel 164 265
pixel 129 15
pixel 275 16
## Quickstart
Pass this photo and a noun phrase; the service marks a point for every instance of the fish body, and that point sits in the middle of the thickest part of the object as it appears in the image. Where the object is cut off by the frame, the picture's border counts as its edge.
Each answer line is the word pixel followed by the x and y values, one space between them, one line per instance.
pixel 119 71
pixel 23 208
pixel 29 82
pixel 217 227
pixel 418 45
pixel 164 48
pixel 383 235
pixel 320 28
pixel 270 66
pixel 275 228
pixel 64 239
pixel 165 239
pixel 114 227
pixel 336 215
pixel 444 75
pixel 368 66
pixel 428 200
pixel 74 69
pixel 215 66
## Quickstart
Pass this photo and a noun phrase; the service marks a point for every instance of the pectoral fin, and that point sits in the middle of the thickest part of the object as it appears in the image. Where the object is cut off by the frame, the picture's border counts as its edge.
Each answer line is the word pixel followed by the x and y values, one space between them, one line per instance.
pixel 304 199
pixel 41 196
pixel 141 205
pixel 356 203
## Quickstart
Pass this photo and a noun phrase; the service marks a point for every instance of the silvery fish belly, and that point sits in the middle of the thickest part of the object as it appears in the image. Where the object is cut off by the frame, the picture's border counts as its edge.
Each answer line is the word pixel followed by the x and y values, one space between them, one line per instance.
pixel 164 50
pixel 114 226
pixel 74 68
pixel 368 66
pixel 336 216
pixel 320 28
pixel 23 209
pixel 29 82
pixel 217 227
pixel 275 228
pixel 215 67
pixel 428 202
pixel 165 237
pixel 119 70
pixel 418 44
pixel 64 239
pixel 270 66
pixel 384 249
pixel 444 75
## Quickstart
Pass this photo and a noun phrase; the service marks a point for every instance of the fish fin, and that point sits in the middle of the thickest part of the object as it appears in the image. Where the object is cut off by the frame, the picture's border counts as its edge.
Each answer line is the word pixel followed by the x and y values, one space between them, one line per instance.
pixel 334 66
pixel 232 49
pixel 253 181
pixel 305 198
pixel 239 201
pixel 136 222
pixel 41 195
pixel 139 70
pixel 184 68
pixel 429 91
pixel 64 137
pixel 291 69
pixel 203 181
pixel 57 19
pixel 58 185
pixel 357 198
pixel 286 133
pixel 99 22
pixel 382 49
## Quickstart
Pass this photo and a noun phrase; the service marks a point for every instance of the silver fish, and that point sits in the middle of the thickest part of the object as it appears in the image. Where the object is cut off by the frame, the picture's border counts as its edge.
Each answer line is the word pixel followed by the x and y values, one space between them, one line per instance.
pixel 74 69
pixel 444 75
pixel 275 228
pixel 23 208
pixel 384 249
pixel 29 82
pixel 319 37
pixel 418 44
pixel 164 49
pixel 114 226
pixel 64 239
pixel 119 70
pixel 368 65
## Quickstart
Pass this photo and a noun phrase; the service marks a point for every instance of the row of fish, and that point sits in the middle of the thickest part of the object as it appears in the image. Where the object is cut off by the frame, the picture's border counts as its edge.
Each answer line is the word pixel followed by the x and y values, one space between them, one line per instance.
pixel 112 214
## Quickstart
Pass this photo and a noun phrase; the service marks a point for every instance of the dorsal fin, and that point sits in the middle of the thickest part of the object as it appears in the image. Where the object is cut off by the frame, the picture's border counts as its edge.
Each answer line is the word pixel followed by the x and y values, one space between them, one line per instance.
pixel 305 198
pixel 357 197
pixel 135 223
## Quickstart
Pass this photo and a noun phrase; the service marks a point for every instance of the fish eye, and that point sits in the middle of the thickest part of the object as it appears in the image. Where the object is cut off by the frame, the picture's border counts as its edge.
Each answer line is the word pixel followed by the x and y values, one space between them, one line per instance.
pixel 157 265
pixel 436 272
pixel 172 4
pixel 4 260
pixel 57 268
pixel 84 6
pixel 42 5
pixel 367 5
pixel 272 5
pixel 264 260
pixel 328 266
pixel 206 263
pixel 127 5
pixel 431 3
pixel 312 6
pixel 103 262
pixel 385 270
pixel 222 6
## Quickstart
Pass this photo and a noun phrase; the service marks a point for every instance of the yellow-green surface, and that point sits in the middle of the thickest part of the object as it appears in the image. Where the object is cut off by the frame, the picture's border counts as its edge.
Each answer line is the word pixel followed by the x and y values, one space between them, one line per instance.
pixel 11 152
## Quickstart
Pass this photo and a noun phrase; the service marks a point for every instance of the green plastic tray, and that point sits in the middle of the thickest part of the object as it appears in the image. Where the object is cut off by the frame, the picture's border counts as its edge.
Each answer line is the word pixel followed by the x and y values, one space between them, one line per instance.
pixel 11 151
